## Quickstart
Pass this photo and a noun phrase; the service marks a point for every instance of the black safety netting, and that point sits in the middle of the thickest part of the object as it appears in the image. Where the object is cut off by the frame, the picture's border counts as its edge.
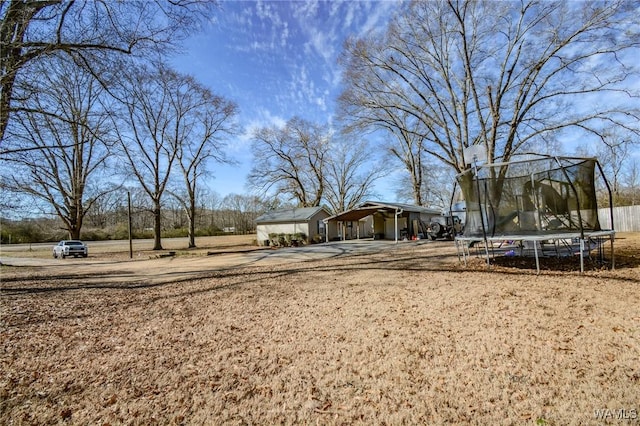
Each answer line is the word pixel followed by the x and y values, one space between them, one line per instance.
pixel 537 196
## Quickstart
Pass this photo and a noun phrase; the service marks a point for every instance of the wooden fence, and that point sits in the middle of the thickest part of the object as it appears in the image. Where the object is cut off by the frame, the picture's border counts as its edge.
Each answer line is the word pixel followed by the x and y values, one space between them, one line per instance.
pixel 625 219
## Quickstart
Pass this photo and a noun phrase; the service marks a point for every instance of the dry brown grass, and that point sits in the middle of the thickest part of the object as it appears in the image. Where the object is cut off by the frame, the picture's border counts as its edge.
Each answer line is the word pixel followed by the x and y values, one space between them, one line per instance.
pixel 119 250
pixel 409 337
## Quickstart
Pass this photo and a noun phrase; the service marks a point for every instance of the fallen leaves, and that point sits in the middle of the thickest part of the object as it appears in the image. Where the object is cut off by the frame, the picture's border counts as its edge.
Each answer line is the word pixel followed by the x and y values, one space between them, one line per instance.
pixel 326 342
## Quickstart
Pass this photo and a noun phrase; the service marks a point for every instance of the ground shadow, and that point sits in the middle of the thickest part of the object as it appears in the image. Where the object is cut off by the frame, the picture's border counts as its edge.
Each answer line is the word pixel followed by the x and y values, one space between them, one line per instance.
pixel 433 259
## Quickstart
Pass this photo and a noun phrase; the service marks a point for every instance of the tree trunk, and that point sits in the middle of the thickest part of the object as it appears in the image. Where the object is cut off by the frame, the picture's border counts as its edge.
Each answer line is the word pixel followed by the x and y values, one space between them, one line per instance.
pixel 191 215
pixel 74 220
pixel 157 242
pixel 416 183
pixel 15 23
pixel 74 233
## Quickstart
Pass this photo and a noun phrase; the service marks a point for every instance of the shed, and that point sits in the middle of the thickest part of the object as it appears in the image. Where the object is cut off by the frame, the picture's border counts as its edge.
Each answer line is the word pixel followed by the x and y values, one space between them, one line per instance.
pixel 305 220
pixel 379 220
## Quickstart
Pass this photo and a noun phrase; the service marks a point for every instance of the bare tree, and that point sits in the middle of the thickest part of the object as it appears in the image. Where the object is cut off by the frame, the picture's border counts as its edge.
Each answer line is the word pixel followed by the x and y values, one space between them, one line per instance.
pixel 409 151
pixel 350 174
pixel 153 133
pixel 242 211
pixel 407 139
pixel 632 181
pixel 614 150
pixel 142 217
pixel 612 169
pixel 499 74
pixel 614 154
pixel 209 206
pixel 104 211
pixel 204 120
pixel 88 31
pixel 60 157
pixel 290 160
pixel 438 182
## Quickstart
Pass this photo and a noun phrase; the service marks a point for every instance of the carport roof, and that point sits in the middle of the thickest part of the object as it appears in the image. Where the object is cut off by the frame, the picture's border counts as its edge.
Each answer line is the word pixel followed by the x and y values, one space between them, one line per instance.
pixel 369 207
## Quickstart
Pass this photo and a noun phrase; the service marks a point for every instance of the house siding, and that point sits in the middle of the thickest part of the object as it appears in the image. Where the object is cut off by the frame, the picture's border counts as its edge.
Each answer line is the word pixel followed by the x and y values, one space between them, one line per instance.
pixel 263 230
pixel 309 227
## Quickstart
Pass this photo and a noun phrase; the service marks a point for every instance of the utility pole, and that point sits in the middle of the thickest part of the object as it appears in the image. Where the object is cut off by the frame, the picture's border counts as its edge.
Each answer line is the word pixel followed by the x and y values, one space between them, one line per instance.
pixel 130 236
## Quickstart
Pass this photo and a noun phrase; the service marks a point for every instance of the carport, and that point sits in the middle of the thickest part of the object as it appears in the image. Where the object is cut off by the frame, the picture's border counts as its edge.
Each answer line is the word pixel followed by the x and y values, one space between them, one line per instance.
pixel 388 221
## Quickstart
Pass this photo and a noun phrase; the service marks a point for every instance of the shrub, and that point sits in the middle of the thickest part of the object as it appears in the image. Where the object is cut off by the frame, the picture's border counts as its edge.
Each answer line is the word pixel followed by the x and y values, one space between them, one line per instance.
pixel 142 234
pixel 286 240
pixel 301 237
pixel 273 239
pixel 175 233
pixel 95 235
pixel 24 232
pixel 121 232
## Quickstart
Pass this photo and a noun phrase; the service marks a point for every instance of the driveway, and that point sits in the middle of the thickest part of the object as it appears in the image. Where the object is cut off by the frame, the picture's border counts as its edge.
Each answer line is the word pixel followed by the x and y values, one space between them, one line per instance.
pixel 167 269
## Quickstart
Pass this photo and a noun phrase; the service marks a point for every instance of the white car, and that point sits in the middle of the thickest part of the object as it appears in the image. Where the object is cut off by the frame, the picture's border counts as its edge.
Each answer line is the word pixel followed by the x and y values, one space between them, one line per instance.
pixel 73 248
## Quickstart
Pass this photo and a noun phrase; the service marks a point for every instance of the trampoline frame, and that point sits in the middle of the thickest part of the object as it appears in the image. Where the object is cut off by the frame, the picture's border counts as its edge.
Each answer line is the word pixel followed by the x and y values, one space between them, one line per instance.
pixel 464 243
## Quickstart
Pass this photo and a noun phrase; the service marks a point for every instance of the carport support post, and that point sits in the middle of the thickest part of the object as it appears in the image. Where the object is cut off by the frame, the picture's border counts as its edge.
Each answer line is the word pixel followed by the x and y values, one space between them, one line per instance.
pixel 395 221
pixel 398 212
pixel 326 230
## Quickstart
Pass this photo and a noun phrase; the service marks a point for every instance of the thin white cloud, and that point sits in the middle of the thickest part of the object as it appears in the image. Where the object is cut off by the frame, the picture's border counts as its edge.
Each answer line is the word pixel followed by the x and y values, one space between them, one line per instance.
pixel 377 16
pixel 305 10
pixel 239 20
pixel 284 36
pixel 265 118
pixel 347 20
pixel 267 12
pixel 323 43
pixel 334 7
pixel 293 47
pixel 240 146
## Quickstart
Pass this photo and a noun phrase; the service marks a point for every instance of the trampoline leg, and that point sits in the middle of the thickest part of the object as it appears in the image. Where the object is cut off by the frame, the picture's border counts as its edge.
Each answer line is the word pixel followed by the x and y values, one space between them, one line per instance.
pixel 486 250
pixel 466 254
pixel 458 252
pixel 535 251
pixel 582 255
pixel 613 257
pixel 465 251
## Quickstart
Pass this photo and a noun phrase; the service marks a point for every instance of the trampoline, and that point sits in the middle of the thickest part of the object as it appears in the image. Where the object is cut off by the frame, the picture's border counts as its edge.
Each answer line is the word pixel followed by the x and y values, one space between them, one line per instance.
pixel 533 202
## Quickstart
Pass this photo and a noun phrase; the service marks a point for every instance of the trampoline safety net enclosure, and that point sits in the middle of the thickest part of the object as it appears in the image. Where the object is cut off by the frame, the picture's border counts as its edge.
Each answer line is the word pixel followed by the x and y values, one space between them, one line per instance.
pixel 533 199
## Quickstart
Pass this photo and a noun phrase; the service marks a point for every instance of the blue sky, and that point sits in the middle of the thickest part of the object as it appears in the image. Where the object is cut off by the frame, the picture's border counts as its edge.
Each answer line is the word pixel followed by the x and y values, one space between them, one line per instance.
pixel 276 60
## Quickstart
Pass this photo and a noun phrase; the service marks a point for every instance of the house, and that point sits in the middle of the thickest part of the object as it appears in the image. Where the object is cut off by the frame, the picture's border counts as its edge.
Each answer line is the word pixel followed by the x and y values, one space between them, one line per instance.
pixel 379 220
pixel 306 220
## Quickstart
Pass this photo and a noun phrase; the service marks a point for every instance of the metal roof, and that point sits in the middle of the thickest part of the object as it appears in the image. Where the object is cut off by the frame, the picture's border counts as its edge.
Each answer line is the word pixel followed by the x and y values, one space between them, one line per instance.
pixel 302 214
pixel 369 207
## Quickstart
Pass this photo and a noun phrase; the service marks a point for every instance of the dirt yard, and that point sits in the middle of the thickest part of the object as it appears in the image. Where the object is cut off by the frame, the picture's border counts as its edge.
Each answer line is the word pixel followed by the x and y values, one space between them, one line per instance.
pixel 408 336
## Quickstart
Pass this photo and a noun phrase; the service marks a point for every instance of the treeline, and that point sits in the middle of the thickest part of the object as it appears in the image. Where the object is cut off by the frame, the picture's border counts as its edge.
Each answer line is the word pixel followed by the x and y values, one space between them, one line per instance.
pixel 620 196
pixel 113 225
pixel 89 106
